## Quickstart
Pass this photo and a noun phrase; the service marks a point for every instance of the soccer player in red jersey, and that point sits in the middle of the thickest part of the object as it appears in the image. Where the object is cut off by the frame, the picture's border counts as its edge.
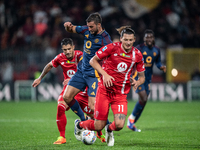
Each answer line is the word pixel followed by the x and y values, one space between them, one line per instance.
pixel 68 60
pixel 120 58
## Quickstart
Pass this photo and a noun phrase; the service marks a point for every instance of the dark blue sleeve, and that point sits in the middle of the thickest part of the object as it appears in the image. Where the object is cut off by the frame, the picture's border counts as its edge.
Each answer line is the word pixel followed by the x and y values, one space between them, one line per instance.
pixel 81 29
pixel 139 47
pixel 158 59
pixel 106 39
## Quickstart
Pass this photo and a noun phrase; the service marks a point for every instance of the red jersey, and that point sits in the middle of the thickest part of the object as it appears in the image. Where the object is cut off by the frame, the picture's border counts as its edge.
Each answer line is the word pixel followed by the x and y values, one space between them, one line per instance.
pixel 119 64
pixel 69 66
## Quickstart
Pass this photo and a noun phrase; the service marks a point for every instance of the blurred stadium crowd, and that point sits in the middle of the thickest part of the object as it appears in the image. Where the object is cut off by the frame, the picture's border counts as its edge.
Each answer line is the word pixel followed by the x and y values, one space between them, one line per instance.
pixel 31 30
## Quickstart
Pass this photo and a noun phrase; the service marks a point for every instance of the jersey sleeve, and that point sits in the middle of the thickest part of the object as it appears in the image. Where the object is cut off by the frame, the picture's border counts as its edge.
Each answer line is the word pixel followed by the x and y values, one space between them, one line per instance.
pixel 79 55
pixel 104 51
pixel 140 63
pixel 106 40
pixel 55 61
pixel 139 47
pixel 81 29
pixel 158 59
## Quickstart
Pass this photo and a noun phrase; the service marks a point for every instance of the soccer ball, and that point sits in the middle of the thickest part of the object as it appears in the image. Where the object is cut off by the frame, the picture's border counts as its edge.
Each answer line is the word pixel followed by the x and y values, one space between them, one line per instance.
pixel 88 137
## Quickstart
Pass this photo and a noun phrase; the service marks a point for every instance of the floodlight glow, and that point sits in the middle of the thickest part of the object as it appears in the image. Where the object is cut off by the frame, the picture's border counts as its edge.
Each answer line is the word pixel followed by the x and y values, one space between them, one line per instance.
pixel 174 72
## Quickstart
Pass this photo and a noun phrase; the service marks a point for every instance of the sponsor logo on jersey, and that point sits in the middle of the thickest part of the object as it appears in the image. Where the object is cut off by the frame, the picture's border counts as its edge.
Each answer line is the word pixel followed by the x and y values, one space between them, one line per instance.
pixel 70 62
pixel 92 93
pixel 124 55
pixel 144 53
pixel 70 73
pixel 154 53
pixel 115 54
pixel 87 35
pixel 103 49
pixel 100 52
pixel 96 40
pixel 62 63
pixel 121 67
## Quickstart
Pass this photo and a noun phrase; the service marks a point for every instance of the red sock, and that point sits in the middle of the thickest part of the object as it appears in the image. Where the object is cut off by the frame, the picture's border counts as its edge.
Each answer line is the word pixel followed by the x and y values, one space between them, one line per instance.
pixel 88 124
pixel 61 119
pixel 112 127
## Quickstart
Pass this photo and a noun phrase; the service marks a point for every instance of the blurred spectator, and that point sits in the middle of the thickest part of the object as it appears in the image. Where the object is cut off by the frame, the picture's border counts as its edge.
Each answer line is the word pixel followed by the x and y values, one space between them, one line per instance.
pixel 7 72
pixel 28 30
pixel 36 27
pixel 40 28
pixel 4 39
pixel 196 75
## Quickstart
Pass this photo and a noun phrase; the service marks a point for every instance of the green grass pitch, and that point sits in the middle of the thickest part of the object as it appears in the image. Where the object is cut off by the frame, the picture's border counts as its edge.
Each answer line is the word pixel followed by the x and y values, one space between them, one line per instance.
pixel 164 125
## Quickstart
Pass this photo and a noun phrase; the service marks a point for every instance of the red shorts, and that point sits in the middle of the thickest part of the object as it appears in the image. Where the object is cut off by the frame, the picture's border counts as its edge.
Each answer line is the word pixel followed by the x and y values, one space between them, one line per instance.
pixel 83 102
pixel 103 101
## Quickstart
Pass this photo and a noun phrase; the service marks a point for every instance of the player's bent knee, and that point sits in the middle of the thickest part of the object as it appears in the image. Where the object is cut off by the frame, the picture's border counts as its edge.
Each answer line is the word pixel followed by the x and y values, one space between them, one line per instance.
pixel 119 126
pixel 67 98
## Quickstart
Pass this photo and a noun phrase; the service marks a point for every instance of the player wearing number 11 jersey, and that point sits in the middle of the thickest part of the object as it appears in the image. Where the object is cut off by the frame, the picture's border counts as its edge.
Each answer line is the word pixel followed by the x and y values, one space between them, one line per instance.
pixel 120 59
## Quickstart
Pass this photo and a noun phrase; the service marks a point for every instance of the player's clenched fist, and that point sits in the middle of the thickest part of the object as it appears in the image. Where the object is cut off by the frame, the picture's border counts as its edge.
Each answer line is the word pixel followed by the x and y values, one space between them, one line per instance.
pixel 68 26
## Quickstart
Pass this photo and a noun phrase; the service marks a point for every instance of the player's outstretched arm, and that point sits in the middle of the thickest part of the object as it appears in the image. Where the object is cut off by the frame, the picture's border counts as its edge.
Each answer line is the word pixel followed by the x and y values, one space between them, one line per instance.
pixel 107 79
pixel 46 69
pixel 69 27
pixel 163 68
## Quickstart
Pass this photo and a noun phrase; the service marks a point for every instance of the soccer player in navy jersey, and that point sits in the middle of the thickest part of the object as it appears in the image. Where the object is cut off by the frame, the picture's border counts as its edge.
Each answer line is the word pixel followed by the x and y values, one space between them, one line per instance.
pixel 151 54
pixel 94 38
pixel 120 58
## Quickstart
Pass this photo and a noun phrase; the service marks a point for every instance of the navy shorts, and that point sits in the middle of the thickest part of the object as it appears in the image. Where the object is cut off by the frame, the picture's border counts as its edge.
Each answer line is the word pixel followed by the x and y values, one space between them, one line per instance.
pixel 80 81
pixel 145 86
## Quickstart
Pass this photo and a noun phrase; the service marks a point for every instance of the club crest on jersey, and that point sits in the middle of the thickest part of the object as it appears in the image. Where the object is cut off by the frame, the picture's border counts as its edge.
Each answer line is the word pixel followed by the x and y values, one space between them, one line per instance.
pixel 124 55
pixel 144 53
pixel 103 49
pixel 96 40
pixel 121 67
pixel 154 53
pixel 87 35
pixel 70 62
pixel 70 73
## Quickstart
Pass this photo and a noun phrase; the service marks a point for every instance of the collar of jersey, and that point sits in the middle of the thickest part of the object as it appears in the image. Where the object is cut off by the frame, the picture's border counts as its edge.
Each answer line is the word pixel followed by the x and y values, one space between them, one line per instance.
pixel 101 32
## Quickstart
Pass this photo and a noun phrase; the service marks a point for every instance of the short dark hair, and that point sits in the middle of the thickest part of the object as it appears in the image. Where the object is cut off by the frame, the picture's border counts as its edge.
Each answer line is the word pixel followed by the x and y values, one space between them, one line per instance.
pixel 67 41
pixel 148 31
pixel 125 29
pixel 96 17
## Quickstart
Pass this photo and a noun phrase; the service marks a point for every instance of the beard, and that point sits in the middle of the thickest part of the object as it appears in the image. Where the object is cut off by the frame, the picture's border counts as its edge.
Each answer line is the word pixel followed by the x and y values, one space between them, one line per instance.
pixel 149 45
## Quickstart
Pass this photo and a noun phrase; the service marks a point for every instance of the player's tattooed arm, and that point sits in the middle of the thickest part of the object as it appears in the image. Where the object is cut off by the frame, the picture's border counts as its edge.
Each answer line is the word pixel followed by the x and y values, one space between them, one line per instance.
pixel 46 69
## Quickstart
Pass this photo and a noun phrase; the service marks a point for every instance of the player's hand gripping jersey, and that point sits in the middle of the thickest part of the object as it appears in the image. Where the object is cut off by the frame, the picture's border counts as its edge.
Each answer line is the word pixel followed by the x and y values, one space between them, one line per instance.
pixel 92 43
pixel 69 67
pixel 119 64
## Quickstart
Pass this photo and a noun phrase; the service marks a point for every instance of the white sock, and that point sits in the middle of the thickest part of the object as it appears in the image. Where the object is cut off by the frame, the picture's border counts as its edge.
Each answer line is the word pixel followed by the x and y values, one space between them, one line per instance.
pixel 132 117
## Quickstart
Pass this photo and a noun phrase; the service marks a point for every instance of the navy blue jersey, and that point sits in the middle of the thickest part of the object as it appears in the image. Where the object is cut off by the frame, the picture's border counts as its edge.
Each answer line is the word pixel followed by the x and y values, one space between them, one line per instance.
pixel 151 56
pixel 92 43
